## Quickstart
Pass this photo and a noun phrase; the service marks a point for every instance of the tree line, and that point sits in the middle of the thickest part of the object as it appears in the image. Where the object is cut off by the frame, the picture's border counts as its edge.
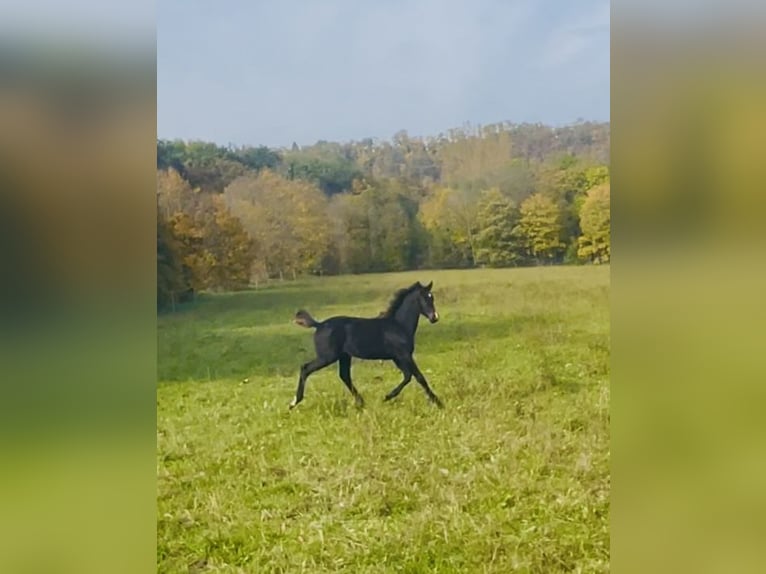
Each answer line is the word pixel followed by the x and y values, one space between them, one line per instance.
pixel 499 195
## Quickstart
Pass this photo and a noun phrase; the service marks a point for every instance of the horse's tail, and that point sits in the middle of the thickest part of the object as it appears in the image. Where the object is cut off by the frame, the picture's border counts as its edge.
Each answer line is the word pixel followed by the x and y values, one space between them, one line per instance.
pixel 303 319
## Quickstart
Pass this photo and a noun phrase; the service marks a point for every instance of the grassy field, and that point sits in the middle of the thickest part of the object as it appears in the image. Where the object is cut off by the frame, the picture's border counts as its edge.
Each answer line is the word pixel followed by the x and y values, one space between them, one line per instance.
pixel 512 476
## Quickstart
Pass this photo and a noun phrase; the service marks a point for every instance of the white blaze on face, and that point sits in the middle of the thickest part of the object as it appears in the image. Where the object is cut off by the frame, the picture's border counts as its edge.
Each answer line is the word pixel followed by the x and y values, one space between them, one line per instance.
pixel 435 315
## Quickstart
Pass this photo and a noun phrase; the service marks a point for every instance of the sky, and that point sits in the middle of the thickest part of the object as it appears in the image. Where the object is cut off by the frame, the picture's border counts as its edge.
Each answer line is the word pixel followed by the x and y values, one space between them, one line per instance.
pixel 281 71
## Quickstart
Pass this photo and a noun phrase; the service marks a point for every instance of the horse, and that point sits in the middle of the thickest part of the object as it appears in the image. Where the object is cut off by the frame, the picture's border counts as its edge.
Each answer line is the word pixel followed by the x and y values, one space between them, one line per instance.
pixel 389 336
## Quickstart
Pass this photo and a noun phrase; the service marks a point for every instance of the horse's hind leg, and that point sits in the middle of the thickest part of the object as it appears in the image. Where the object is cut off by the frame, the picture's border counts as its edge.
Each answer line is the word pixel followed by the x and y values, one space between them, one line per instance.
pixel 306 370
pixel 407 378
pixel 344 370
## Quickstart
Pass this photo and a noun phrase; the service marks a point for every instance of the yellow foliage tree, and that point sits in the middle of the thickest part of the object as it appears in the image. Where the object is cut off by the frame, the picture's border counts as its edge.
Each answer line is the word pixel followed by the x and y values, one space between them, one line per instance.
pixel 213 245
pixel 229 249
pixel 286 219
pixel 540 228
pixel 173 285
pixel 174 194
pixel 595 215
pixel 451 218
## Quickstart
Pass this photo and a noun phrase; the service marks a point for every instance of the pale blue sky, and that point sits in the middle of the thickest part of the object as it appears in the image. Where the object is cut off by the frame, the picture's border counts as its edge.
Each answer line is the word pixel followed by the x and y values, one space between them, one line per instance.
pixel 277 71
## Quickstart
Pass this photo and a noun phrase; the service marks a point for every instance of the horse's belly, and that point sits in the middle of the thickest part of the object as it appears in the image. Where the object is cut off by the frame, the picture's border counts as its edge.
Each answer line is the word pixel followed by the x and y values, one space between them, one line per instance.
pixel 368 352
pixel 368 341
pixel 367 346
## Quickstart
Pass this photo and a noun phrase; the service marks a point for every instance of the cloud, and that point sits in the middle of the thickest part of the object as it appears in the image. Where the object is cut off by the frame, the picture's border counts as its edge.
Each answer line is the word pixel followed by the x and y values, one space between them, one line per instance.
pixel 568 41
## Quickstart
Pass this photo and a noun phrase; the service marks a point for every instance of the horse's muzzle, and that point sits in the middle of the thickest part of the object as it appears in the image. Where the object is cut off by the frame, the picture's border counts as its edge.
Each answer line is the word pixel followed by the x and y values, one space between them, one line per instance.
pixel 434 317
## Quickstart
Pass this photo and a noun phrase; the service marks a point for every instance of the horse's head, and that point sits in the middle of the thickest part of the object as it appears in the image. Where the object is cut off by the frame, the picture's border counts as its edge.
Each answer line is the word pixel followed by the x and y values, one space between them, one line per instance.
pixel 427 303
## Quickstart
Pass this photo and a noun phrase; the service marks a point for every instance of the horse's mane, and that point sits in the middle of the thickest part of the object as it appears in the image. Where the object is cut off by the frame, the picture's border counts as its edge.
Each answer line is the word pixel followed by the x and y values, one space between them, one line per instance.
pixel 398 299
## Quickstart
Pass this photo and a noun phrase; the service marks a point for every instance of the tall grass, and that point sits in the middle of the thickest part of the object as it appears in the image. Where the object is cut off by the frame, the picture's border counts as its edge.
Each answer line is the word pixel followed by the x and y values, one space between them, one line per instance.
pixel 512 476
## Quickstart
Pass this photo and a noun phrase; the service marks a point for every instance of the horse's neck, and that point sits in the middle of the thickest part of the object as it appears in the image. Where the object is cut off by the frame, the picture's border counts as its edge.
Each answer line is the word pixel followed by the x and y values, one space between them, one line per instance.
pixel 408 315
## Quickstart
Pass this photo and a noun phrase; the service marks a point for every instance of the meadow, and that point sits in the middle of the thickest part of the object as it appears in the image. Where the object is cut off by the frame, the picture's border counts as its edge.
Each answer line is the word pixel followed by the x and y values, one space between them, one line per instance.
pixel 512 476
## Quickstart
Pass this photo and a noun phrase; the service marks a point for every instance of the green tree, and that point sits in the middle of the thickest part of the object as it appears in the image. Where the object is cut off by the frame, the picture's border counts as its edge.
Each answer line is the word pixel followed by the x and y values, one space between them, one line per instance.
pixel 451 218
pixel 258 158
pixel 497 244
pixel 595 241
pixel 376 228
pixel 566 180
pixel 204 165
pixel 325 165
pixel 171 155
pixel 540 228
pixel 350 233
pixel 596 175
pixel 394 227
pixel 215 175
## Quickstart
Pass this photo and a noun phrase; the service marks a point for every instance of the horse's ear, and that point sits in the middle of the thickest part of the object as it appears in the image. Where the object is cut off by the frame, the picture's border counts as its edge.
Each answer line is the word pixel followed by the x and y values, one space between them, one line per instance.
pixel 428 287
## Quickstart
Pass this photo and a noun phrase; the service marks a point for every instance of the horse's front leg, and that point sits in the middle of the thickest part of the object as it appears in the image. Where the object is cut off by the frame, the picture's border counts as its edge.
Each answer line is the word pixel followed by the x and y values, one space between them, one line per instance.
pixel 407 378
pixel 423 383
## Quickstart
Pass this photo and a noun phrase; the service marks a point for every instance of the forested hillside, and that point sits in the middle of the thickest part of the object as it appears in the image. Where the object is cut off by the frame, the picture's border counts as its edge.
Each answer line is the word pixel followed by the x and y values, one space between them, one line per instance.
pixel 498 195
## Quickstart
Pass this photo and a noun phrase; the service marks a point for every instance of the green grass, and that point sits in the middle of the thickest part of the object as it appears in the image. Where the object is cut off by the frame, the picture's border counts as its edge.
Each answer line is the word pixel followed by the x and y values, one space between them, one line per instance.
pixel 512 476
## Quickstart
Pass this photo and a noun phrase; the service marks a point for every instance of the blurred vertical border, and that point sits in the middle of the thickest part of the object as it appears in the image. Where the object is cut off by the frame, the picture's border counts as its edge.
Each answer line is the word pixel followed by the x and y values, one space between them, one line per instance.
pixel 77 294
pixel 688 287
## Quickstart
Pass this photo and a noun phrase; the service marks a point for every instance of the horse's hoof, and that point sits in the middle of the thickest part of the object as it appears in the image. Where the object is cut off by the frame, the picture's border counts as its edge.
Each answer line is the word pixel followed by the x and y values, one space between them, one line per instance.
pixel 292 404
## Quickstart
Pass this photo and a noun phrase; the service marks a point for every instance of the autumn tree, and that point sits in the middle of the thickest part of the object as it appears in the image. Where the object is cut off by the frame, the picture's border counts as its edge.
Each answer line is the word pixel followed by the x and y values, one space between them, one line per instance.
pixel 286 220
pixel 501 194
pixel 179 208
pixel 540 228
pixel 174 194
pixel 173 280
pixel 213 247
pixel 231 251
pixel 595 242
